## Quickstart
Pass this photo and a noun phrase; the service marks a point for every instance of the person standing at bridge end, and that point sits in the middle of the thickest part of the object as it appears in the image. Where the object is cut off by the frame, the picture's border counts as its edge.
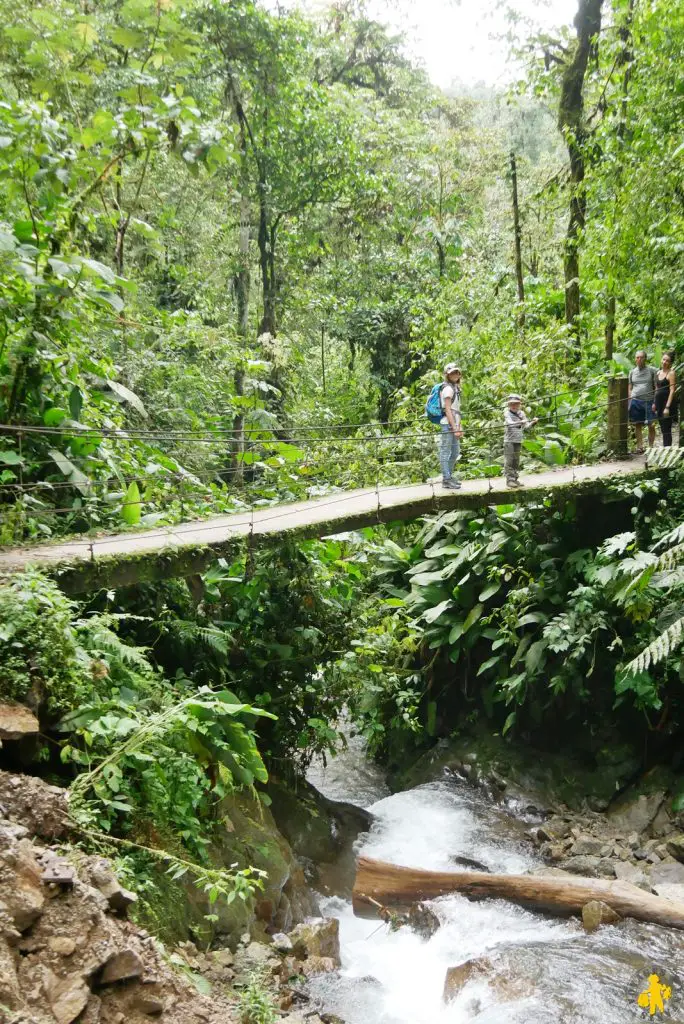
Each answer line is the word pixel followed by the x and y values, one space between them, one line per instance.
pixel 641 400
pixel 444 407
pixel 515 423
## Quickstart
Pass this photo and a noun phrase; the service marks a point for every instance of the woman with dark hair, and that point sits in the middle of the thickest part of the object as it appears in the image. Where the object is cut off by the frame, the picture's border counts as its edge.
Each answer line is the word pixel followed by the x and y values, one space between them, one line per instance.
pixel 665 383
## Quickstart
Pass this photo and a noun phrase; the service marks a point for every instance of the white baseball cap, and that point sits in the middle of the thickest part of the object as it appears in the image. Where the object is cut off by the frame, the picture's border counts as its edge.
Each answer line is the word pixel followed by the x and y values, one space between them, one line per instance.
pixel 513 398
pixel 452 368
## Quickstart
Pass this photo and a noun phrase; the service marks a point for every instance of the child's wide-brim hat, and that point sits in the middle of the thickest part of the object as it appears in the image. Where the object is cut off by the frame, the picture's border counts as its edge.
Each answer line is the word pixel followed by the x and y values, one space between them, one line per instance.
pixel 513 398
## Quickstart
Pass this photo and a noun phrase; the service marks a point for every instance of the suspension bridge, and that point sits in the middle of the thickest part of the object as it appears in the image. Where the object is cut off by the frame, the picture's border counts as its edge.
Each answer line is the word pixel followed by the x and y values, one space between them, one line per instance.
pixel 383 462
pixel 185 549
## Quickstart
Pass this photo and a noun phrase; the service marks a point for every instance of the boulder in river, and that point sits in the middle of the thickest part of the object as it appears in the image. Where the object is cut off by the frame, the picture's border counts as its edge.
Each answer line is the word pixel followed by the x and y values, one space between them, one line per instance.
pixel 423 921
pixel 498 975
pixel 675 847
pixel 318 937
pixel 595 913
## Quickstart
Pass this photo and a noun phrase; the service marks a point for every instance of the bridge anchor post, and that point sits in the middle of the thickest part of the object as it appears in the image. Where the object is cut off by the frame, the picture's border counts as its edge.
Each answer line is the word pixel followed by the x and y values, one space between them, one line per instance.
pixel 618 433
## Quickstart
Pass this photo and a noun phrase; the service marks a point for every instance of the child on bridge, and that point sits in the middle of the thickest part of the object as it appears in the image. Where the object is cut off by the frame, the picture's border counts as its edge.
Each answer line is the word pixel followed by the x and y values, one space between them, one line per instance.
pixel 515 422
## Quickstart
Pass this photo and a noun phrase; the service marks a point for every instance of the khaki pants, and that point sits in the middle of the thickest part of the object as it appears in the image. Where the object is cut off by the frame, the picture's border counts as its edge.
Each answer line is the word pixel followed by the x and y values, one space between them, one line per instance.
pixel 512 460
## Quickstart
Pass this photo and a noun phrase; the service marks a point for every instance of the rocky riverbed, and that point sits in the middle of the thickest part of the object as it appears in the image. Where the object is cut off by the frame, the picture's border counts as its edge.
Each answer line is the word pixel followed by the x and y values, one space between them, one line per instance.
pixel 70 953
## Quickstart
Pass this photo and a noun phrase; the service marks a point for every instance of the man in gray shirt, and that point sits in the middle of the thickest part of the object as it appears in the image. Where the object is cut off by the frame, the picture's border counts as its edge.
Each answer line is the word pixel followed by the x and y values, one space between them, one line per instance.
pixel 641 396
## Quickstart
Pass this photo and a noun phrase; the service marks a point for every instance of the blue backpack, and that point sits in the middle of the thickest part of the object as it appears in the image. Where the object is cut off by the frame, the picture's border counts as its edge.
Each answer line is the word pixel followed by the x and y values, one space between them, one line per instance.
pixel 434 410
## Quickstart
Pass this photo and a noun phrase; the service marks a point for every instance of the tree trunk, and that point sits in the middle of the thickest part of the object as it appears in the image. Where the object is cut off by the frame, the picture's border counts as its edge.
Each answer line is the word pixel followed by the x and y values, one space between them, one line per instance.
pixel 571 124
pixel 625 60
pixel 266 238
pixel 518 243
pixel 241 284
pixel 379 885
pixel 611 312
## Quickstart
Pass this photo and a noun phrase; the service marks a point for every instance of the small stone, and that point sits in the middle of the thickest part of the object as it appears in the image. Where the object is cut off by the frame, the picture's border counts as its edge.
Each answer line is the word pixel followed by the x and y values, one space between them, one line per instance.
pixel 62 944
pixel 596 913
pixel 582 866
pixel 675 847
pixel 553 852
pixel 318 937
pixel 151 1006
pixel 9 831
pixel 633 840
pixel 282 942
pixel 653 858
pixel 667 874
pixel 640 854
pixel 606 868
pixel 223 957
pixel 587 846
pixel 122 966
pixel 317 965
pixel 104 879
pixel 17 721
pixel 629 873
pixel 286 999
pixel 93 1011
pixel 68 997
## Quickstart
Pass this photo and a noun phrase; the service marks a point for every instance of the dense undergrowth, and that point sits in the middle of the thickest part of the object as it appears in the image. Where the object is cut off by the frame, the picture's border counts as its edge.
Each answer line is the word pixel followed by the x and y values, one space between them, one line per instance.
pixel 540 621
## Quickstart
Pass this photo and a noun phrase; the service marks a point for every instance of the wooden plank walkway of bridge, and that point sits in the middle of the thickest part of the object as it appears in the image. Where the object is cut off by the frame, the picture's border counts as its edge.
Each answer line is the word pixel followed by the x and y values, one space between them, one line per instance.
pixel 138 556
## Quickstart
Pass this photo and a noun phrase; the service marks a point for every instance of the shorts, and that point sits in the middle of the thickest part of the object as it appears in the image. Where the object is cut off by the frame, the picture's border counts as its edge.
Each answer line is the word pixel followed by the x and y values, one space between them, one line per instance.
pixel 641 411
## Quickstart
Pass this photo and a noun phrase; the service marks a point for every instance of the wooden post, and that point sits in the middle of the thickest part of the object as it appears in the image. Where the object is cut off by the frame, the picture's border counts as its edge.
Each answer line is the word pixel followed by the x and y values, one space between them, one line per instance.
pixel 323 354
pixel 617 417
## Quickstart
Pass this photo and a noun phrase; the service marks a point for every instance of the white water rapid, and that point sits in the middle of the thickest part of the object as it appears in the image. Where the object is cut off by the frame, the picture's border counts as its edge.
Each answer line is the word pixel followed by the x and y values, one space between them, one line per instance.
pixel 544 969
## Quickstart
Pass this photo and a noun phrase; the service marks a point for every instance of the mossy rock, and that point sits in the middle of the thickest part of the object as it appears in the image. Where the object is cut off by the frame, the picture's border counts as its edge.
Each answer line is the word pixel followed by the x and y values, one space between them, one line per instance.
pixel 247 836
pixel 316 827
pixel 544 778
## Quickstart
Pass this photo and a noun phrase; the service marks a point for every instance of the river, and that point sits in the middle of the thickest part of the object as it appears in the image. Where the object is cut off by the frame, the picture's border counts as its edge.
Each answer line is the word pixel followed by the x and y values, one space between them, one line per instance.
pixel 560 974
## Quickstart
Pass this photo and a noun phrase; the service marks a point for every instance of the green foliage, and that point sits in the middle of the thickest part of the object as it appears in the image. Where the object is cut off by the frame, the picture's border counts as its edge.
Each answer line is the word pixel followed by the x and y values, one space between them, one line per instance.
pixel 40 657
pixel 267 626
pixel 256 1004
pixel 503 616
pixel 149 756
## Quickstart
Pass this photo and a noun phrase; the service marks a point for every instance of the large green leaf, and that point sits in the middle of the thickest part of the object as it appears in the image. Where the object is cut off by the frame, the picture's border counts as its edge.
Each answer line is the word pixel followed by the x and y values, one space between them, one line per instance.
pixel 472 617
pixel 432 614
pixel 132 506
pixel 128 396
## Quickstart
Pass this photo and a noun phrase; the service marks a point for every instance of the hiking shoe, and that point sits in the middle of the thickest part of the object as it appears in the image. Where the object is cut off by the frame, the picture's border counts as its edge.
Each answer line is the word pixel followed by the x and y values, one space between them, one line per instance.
pixel 451 484
pixel 514 483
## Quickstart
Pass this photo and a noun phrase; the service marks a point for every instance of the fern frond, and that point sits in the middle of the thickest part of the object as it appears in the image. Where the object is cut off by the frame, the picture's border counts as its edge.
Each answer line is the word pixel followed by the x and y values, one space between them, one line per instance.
pixel 97 638
pixel 664 458
pixel 190 632
pixel 659 649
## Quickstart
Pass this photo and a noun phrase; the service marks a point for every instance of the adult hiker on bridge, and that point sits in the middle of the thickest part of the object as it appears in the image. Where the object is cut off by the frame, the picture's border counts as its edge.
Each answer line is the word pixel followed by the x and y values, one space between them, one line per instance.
pixel 641 400
pixel 444 407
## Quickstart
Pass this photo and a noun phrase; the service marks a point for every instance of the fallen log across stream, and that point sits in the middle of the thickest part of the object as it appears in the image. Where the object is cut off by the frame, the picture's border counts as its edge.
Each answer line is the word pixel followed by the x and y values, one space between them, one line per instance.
pixel 380 886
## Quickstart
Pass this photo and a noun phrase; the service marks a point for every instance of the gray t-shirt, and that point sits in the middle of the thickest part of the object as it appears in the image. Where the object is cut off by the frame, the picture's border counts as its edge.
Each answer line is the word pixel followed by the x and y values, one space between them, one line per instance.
pixel 514 423
pixel 454 393
pixel 642 381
